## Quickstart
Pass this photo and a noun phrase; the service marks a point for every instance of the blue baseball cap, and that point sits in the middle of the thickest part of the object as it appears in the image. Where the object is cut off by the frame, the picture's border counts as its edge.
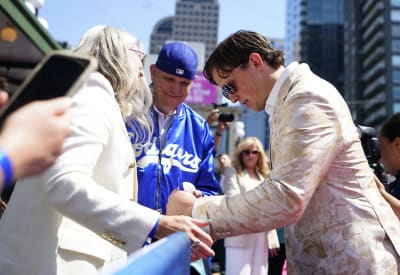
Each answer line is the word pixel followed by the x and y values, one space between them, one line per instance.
pixel 179 59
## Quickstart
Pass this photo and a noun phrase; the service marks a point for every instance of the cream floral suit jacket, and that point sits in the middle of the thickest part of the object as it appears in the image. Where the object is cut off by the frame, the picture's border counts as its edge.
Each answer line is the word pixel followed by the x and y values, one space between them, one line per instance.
pixel 320 187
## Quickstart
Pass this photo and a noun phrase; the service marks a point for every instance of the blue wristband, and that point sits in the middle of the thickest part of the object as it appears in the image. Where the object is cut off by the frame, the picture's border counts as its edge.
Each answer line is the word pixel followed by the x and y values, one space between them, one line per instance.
pixel 152 233
pixel 7 169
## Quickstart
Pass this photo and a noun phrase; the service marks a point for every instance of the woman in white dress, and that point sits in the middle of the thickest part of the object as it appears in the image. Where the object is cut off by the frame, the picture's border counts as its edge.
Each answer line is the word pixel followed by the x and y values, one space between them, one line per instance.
pixel 248 254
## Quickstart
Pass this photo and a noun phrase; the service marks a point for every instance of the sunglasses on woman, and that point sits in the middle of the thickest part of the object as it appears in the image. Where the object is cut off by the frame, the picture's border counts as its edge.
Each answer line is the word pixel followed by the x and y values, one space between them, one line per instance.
pixel 248 152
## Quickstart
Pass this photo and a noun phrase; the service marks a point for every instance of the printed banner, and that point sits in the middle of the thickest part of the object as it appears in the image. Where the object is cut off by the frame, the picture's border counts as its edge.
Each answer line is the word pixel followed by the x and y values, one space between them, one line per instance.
pixel 202 91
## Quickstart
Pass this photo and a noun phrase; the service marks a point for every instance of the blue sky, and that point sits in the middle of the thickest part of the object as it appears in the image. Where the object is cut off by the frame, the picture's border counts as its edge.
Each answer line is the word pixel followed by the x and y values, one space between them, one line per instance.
pixel 69 19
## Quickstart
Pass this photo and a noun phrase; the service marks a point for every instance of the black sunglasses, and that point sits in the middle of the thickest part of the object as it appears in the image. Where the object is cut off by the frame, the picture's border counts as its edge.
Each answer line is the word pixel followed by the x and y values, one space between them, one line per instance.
pixel 248 152
pixel 227 91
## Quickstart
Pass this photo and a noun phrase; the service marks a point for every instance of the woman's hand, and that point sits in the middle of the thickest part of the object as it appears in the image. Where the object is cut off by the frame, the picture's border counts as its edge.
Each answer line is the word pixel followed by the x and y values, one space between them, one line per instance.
pixel 201 241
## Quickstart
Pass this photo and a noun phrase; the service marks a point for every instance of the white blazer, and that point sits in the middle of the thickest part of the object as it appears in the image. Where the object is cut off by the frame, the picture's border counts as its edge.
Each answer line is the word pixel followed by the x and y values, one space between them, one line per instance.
pixel 92 183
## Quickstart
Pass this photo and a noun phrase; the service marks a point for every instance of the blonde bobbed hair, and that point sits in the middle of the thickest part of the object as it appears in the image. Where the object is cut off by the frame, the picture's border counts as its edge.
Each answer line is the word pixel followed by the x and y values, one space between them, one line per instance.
pixel 261 166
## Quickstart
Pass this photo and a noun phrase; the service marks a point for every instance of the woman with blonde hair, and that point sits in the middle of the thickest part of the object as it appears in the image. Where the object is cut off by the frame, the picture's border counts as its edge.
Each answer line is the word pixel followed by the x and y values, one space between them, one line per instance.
pixel 248 254
pixel 243 148
pixel 79 216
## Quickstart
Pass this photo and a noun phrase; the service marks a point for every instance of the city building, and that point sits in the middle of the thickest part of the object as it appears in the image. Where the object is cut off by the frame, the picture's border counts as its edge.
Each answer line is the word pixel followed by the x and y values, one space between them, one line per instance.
pixel 194 20
pixel 314 33
pixel 162 32
pixel 196 23
pixel 372 59
pixel 292 31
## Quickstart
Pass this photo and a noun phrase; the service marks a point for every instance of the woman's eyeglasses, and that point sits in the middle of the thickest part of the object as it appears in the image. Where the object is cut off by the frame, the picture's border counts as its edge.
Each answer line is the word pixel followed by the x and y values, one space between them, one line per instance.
pixel 140 54
pixel 227 91
pixel 248 152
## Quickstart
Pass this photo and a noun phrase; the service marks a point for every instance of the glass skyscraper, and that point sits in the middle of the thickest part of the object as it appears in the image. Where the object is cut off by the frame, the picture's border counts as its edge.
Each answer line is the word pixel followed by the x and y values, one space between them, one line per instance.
pixel 372 59
pixel 314 35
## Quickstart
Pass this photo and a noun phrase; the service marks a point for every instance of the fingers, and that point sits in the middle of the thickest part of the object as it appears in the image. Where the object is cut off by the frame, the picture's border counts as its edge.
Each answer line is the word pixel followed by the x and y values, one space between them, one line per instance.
pixel 195 254
pixel 212 116
pixel 197 193
pixel 3 98
pixel 201 223
pixel 197 234
pixel 195 243
pixel 222 125
pixel 60 105
pixel 205 238
pixel 3 205
pixel 200 250
pixel 200 241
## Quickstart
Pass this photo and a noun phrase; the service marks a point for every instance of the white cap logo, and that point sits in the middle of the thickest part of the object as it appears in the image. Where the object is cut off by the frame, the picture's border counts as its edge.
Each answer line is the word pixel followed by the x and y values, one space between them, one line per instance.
pixel 179 71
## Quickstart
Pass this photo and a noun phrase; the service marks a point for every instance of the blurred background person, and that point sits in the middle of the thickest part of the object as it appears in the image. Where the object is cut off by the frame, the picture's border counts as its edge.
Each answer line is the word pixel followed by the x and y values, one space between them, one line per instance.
pixel 389 141
pixel 82 218
pixel 224 161
pixel 212 117
pixel 248 254
pixel 277 257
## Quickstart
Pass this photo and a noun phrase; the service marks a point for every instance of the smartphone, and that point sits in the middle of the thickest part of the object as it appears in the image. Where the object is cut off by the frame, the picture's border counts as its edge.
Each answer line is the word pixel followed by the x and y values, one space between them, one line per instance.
pixel 226 117
pixel 60 73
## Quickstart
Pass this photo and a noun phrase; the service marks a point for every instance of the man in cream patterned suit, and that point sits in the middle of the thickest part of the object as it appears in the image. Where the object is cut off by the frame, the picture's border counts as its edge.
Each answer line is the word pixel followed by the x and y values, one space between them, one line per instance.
pixel 320 186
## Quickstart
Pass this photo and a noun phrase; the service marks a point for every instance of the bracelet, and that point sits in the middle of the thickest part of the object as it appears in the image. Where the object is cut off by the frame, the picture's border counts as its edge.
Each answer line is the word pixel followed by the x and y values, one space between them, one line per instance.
pixel 7 169
pixel 218 134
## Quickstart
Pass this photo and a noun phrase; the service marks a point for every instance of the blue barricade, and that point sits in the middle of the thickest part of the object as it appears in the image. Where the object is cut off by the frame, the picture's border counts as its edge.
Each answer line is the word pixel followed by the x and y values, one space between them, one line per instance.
pixel 170 255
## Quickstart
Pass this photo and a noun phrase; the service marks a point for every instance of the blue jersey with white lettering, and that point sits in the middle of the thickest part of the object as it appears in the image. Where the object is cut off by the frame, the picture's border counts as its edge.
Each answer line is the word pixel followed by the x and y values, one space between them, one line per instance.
pixel 187 156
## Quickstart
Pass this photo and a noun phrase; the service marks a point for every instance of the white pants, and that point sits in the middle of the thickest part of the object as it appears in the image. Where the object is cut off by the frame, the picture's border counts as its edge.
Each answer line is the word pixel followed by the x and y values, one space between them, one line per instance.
pixel 247 261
